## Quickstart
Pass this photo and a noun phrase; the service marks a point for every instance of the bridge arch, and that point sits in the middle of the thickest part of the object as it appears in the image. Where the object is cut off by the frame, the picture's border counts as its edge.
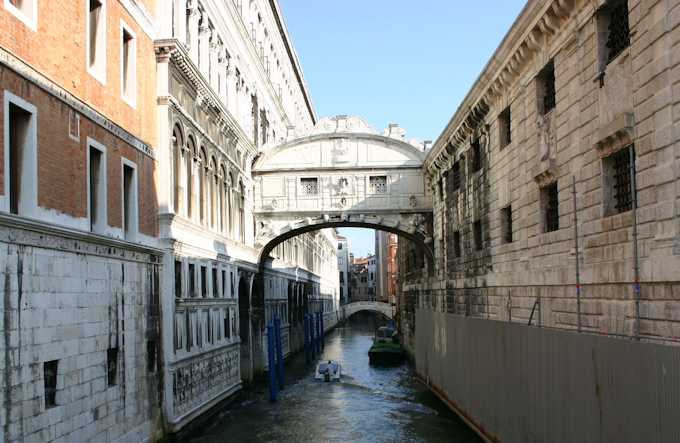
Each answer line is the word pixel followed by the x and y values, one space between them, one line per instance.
pixel 342 174
pixel 370 306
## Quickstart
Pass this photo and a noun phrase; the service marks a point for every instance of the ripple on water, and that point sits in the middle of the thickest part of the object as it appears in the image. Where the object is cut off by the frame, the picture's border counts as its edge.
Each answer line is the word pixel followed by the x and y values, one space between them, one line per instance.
pixel 368 405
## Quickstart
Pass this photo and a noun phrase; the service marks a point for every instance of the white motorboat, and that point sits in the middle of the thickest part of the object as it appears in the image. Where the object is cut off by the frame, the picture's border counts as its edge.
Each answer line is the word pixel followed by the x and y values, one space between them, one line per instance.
pixel 328 371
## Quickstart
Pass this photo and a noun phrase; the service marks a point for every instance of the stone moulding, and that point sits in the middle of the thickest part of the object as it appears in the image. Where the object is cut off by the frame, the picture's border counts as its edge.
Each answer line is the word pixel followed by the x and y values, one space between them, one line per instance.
pixel 545 172
pixel 47 85
pixel 619 133
pixel 538 21
pixel 173 50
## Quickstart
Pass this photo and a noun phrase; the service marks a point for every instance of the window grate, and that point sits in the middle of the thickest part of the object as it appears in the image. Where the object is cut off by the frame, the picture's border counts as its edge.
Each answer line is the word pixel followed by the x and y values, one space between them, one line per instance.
pixel 552 216
pixel 309 186
pixel 622 180
pixel 506 223
pixel 476 160
pixel 378 184
pixel 548 76
pixel 477 234
pixel 504 128
pixel 618 37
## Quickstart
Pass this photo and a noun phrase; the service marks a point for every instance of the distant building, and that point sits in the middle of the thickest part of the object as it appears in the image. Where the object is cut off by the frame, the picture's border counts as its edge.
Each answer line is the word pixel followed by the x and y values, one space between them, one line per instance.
pixel 344 269
pixel 363 279
pixel 386 266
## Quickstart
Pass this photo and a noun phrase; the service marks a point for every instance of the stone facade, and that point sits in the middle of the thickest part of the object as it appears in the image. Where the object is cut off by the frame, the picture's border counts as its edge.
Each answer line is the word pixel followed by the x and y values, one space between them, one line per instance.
pixel 542 145
pixel 229 89
pixel 386 245
pixel 344 267
pixel 80 267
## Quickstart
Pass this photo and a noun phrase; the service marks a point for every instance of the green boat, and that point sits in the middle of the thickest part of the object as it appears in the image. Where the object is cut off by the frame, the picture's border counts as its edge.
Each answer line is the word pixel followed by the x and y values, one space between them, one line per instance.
pixel 386 350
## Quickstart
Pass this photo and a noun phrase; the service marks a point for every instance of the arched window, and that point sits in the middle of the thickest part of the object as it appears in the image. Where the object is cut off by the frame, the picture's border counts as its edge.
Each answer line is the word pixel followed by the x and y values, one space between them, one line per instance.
pixel 212 177
pixel 242 212
pixel 190 176
pixel 178 157
pixel 223 199
pixel 202 167
pixel 232 206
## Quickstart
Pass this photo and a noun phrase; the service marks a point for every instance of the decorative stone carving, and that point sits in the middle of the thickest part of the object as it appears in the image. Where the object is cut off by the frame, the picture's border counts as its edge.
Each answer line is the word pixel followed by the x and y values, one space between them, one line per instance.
pixel 200 380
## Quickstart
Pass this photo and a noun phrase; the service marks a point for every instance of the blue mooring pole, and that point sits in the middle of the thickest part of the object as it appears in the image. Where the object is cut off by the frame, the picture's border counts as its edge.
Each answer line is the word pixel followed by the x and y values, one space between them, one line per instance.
pixel 312 337
pixel 279 351
pixel 318 332
pixel 273 386
pixel 305 321
pixel 323 332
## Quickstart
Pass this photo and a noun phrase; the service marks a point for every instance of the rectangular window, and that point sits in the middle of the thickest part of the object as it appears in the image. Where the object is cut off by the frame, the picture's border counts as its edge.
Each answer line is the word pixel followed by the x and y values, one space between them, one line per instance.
pixel 112 366
pixel 227 330
pixel 224 283
pixel 617 178
pixel 129 201
pixel 151 356
pixel 24 10
pixel 50 378
pixel 192 280
pixel 506 224
pixel 504 128
pixel 204 282
pixel 342 277
pixel 214 283
pixel 545 88
pixel 97 186
pixel 128 69
pixel 309 186
pixel 613 30
pixel 21 144
pixel 207 315
pixel 378 184
pixel 477 234
pixel 178 279
pixel 476 153
pixel 457 249
pixel 550 203
pixel 96 39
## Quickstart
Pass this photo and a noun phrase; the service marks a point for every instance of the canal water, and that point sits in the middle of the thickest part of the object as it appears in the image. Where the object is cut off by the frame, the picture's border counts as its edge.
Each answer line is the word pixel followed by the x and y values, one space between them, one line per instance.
pixel 369 405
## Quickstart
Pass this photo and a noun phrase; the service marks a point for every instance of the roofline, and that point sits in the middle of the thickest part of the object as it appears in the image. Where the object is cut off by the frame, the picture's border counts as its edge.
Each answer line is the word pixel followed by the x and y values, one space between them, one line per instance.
pixel 287 41
pixel 517 29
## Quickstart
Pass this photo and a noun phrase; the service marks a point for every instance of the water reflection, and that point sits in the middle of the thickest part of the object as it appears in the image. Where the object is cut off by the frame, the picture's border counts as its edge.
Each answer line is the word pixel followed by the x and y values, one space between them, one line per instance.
pixel 370 404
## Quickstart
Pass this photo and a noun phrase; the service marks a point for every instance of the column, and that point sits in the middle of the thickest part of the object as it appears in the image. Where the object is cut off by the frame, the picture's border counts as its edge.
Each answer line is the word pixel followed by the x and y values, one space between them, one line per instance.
pixel 213 67
pixel 179 25
pixel 204 46
pixel 192 33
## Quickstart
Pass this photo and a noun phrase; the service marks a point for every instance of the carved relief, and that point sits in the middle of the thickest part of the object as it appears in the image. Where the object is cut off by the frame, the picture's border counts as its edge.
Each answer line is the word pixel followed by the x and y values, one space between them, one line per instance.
pixel 199 381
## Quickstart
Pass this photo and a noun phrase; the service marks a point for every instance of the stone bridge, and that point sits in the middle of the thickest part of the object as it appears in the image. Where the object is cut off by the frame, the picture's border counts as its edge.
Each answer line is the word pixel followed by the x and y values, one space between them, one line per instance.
pixel 385 309
pixel 342 174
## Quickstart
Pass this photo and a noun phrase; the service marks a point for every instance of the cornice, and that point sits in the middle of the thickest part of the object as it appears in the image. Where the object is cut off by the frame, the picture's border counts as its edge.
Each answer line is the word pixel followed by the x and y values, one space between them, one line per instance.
pixel 173 50
pixel 28 72
pixel 538 22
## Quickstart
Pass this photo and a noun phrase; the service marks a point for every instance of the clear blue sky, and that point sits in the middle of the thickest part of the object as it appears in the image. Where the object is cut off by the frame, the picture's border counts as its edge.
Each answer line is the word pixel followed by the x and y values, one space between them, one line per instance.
pixel 395 61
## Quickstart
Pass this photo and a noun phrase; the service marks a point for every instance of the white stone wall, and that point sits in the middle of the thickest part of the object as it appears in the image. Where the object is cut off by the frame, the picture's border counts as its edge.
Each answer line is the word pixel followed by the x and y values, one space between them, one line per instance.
pixel 71 300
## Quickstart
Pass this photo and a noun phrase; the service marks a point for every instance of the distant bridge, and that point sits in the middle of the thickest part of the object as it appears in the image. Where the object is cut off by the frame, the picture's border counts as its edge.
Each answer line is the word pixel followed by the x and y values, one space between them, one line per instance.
pixel 385 309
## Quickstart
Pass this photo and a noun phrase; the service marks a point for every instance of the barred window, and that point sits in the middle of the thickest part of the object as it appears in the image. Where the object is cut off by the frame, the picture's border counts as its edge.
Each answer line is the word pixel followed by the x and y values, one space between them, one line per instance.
pixel 477 235
pixel 617 178
pixel 613 20
pixel 378 184
pixel 506 224
pixel 546 88
pixel 50 382
pixel 504 125
pixel 476 152
pixel 550 203
pixel 455 176
pixel 456 244
pixel 309 186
